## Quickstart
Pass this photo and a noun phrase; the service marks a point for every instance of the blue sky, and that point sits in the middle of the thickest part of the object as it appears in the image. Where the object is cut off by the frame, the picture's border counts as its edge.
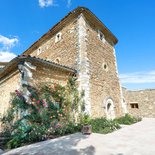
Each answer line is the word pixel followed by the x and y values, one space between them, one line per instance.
pixel 132 22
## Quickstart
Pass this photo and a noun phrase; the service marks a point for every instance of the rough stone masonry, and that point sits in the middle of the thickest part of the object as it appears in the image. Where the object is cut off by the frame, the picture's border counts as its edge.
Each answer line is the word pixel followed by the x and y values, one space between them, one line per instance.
pixel 79 45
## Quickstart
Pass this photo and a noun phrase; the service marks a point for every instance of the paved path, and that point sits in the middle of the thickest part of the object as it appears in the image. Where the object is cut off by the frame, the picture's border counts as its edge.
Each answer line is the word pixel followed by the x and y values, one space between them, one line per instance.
pixel 137 139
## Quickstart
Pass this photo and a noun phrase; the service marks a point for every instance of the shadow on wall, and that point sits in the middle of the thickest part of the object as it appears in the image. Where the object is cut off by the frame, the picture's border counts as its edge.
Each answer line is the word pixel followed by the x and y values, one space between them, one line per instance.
pixel 62 146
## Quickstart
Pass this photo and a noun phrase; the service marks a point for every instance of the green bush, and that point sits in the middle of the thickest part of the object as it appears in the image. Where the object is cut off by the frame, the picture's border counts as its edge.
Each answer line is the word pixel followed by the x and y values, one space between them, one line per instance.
pixel 69 128
pixel 103 126
pixel 85 119
pixel 128 119
pixel 49 111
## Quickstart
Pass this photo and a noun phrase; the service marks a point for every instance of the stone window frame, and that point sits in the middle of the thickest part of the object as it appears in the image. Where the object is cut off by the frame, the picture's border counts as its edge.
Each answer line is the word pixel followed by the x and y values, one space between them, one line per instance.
pixel 57 60
pixel 39 51
pixel 134 105
pixel 105 66
pixel 109 103
pixel 58 37
pixel 101 36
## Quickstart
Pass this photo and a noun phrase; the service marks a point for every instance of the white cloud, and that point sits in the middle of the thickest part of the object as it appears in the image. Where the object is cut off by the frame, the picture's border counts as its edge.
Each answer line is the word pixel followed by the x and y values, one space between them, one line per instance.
pixel 7 43
pixel 138 77
pixel 45 3
pixel 6 56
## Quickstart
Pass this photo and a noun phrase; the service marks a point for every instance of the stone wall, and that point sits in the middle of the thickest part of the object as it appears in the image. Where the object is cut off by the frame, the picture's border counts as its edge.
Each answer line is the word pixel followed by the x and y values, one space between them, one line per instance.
pixel 48 75
pixel 41 74
pixel 6 88
pixel 104 82
pixel 63 51
pixel 81 48
pixel 145 100
pixel 78 46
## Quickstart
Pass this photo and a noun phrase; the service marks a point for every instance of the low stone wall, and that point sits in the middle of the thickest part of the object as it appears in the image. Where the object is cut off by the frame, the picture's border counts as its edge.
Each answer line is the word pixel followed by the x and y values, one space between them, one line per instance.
pixel 140 103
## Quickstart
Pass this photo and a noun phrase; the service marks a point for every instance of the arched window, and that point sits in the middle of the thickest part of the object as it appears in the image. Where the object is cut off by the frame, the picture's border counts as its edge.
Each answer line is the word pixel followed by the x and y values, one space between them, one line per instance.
pixel 109 108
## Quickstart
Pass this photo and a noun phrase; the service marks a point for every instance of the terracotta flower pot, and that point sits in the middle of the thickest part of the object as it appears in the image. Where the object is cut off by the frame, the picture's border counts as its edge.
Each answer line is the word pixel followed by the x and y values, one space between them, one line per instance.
pixel 87 129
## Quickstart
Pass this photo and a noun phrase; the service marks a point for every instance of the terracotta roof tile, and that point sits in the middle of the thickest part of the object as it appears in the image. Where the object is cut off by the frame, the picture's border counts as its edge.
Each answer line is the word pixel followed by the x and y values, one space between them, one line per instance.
pixel 13 64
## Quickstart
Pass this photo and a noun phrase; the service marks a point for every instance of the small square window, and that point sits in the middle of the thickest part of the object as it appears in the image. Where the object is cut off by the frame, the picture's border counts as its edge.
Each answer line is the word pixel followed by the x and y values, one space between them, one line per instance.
pixel 101 36
pixel 134 105
pixel 58 37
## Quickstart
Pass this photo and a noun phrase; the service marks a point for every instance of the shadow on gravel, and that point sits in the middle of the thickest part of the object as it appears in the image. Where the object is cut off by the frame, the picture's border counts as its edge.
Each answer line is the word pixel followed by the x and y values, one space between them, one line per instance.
pixel 61 146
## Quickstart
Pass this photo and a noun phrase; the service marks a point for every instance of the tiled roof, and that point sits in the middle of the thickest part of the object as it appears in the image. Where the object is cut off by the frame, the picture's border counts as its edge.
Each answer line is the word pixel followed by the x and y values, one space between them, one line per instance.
pixel 13 65
pixel 3 63
pixel 28 57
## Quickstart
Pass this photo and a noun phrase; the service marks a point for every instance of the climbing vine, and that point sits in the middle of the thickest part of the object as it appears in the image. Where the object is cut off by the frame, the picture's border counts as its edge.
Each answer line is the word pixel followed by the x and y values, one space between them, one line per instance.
pixel 52 110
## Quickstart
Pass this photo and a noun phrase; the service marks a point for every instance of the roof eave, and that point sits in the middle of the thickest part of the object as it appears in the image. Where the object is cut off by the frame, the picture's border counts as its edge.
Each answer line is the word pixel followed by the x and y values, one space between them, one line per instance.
pixel 12 65
pixel 99 22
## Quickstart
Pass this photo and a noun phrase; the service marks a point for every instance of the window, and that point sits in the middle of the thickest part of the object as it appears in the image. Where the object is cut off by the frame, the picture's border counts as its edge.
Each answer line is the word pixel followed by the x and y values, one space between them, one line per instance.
pixel 58 37
pixel 57 60
pixel 109 108
pixel 101 36
pixel 39 51
pixel 134 105
pixel 105 66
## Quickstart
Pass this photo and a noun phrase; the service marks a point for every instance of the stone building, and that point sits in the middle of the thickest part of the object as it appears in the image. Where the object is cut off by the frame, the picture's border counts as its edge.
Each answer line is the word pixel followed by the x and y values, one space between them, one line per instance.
pixel 79 45
pixel 140 103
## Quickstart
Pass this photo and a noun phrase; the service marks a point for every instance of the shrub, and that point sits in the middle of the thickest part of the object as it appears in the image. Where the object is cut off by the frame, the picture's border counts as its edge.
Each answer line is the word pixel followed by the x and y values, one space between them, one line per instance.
pixel 67 129
pixel 128 119
pixel 104 126
pixel 50 110
pixel 85 119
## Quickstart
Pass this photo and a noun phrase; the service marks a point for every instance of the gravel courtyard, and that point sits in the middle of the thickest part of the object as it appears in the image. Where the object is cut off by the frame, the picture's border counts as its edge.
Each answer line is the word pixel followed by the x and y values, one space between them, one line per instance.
pixel 137 139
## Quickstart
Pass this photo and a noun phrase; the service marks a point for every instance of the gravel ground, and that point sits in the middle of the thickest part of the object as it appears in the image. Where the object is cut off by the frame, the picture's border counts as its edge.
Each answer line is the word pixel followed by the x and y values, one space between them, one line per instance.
pixel 137 139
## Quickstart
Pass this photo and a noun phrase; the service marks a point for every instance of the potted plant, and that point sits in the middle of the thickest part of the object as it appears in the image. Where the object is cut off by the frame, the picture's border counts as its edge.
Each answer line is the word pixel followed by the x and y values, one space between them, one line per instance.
pixel 86 128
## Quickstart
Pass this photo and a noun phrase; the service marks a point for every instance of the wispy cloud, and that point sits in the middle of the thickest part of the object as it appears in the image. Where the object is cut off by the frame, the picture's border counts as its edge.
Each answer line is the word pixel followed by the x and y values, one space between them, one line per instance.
pixel 6 56
pixel 46 3
pixel 6 44
pixel 69 3
pixel 138 77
